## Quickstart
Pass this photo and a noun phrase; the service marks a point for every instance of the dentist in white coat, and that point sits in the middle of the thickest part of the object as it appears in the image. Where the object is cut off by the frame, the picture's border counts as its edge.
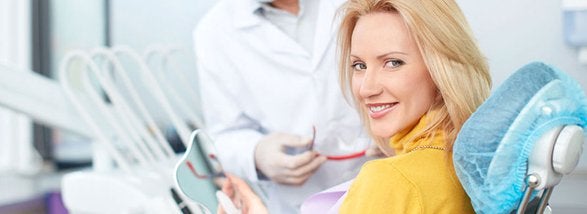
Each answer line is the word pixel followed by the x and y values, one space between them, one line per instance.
pixel 268 74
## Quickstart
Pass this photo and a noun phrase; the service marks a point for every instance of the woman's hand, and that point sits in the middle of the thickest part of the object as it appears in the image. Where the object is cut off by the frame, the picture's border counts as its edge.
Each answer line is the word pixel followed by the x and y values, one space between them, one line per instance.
pixel 242 196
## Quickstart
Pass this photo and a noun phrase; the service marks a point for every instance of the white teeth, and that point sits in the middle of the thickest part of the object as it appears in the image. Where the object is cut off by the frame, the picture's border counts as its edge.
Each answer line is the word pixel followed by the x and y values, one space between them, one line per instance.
pixel 379 108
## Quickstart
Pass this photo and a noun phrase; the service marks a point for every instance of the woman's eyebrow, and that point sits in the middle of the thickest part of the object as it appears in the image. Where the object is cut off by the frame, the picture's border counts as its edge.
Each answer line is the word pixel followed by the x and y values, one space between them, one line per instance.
pixel 391 53
pixel 382 55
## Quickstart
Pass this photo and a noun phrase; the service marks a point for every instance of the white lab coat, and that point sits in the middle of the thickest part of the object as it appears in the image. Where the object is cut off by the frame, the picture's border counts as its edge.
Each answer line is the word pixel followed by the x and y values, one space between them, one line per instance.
pixel 255 80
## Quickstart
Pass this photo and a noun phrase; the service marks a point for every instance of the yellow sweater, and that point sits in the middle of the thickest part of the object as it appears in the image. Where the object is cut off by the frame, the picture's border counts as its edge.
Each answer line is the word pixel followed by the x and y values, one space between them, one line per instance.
pixel 419 179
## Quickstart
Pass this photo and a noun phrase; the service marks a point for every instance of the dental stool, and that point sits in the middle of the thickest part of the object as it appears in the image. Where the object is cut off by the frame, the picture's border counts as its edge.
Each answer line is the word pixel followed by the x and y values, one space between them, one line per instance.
pixel 519 144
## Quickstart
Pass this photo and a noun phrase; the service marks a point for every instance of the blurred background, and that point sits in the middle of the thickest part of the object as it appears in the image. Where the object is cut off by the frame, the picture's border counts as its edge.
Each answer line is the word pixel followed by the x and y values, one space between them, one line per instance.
pixel 36 34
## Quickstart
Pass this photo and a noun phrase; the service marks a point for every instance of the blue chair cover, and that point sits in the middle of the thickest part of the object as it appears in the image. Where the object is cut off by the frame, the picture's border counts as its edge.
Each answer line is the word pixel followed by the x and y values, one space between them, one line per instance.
pixel 493 146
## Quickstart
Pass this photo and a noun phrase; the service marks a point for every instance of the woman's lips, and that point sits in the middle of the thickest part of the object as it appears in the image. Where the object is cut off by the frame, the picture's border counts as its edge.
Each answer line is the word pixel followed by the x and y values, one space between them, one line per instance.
pixel 379 110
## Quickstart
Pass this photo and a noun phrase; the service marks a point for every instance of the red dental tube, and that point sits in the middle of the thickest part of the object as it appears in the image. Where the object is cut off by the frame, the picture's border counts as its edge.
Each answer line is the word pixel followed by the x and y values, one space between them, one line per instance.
pixel 193 169
pixel 335 157
pixel 346 157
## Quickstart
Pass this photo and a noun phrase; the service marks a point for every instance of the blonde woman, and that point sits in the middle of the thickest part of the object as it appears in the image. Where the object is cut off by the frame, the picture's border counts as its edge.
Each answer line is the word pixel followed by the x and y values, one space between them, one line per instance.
pixel 415 74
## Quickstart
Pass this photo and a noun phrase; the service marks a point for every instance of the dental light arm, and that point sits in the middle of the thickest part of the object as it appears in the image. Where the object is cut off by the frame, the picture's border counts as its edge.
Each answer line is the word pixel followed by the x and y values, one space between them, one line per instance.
pixel 40 98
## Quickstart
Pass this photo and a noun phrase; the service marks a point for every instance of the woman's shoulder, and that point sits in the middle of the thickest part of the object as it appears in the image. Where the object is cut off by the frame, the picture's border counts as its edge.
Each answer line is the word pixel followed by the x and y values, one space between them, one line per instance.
pixel 424 180
pixel 379 188
pixel 420 170
pixel 431 173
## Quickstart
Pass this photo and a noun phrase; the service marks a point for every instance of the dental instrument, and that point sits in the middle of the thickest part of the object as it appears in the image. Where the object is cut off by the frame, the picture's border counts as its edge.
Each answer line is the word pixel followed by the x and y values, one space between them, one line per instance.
pixel 163 148
pixel 78 101
pixel 180 84
pixel 155 88
pixel 187 176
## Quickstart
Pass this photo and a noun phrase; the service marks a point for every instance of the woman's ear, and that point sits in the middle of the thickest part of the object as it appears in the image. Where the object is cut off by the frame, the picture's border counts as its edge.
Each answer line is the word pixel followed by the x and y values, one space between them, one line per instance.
pixel 438 97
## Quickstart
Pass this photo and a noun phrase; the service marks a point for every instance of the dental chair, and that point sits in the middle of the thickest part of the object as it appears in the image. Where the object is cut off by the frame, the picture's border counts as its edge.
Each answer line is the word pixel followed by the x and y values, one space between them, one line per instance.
pixel 519 144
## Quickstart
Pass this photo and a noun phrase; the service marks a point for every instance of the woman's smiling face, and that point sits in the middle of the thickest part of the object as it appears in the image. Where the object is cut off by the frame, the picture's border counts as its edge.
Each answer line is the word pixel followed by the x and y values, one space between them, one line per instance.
pixel 390 80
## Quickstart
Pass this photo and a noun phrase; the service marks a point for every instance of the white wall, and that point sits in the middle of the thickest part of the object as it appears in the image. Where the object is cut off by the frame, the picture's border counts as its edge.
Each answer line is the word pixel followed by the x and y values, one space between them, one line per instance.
pixel 75 25
pixel 513 33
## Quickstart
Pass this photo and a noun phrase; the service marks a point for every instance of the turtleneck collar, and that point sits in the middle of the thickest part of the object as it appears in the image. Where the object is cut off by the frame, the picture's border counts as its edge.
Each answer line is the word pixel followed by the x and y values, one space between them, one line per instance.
pixel 406 140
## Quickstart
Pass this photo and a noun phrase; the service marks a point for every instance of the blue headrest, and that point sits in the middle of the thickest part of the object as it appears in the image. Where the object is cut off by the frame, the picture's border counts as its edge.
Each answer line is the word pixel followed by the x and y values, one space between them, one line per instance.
pixel 492 149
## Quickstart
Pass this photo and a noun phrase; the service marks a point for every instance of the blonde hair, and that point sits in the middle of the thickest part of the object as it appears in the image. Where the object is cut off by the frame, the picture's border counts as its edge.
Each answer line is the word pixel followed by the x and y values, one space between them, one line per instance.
pixel 448 48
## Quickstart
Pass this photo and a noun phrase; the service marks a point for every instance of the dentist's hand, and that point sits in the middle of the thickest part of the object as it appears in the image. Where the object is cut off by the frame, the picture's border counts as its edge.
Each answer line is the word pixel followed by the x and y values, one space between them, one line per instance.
pixel 271 159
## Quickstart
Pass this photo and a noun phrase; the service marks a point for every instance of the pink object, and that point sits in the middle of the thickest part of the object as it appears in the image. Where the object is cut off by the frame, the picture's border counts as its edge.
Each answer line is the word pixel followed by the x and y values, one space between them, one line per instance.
pixel 327 201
